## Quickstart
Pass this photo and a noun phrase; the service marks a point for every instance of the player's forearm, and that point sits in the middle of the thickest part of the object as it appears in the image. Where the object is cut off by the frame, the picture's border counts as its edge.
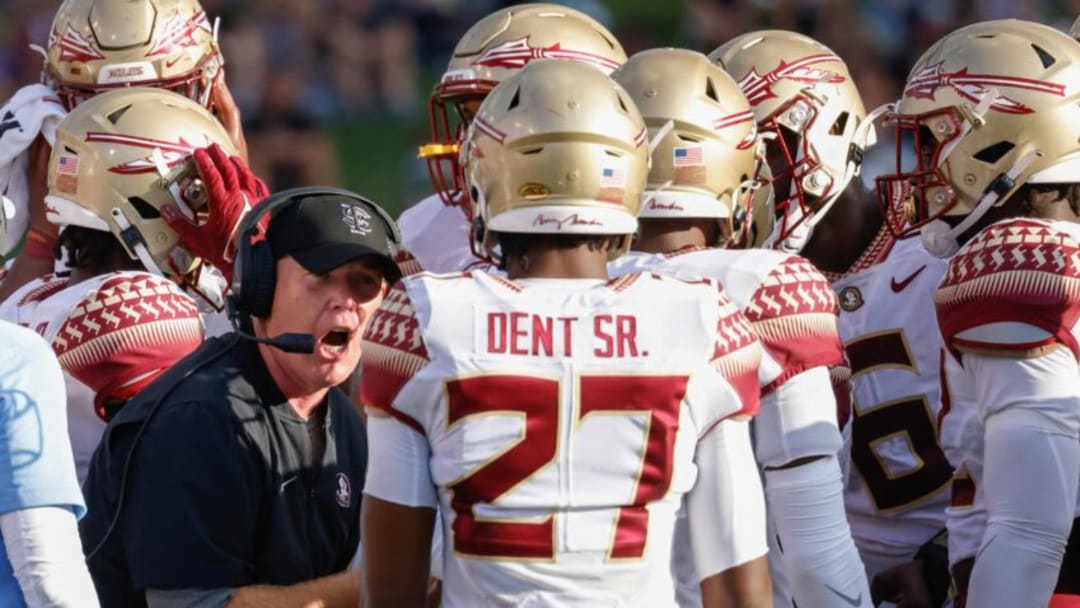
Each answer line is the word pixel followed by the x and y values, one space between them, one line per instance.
pixel 745 586
pixel 337 590
pixel 397 551
pixel 807 505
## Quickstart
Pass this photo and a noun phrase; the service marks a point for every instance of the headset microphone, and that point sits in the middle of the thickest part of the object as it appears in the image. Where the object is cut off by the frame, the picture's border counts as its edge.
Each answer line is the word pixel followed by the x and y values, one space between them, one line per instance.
pixel 289 342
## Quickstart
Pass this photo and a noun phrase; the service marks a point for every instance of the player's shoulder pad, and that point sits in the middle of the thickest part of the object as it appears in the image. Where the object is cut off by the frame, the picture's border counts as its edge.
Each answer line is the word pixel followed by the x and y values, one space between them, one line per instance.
pixel 794 311
pixel 125 330
pixel 393 347
pixel 127 309
pixel 1013 290
pixel 737 353
pixel 792 287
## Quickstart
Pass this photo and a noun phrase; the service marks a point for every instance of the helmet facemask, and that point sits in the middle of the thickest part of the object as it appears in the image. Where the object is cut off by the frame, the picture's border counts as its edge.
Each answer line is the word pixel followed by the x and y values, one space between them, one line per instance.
pixel 443 153
pixel 798 142
pixel 493 49
pixel 923 143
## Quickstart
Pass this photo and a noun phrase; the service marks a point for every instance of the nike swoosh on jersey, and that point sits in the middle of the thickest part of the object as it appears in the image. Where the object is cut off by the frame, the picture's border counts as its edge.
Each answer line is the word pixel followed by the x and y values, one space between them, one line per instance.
pixel 281 490
pixel 898 286
pixel 849 600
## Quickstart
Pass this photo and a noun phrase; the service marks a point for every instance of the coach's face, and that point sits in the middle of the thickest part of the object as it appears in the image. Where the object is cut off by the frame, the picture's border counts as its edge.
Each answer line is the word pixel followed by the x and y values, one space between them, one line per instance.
pixel 334 307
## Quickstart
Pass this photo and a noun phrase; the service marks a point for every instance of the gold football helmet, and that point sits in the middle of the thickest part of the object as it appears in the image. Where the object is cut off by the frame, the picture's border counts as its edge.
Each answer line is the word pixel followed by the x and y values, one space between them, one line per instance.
pixel 703 138
pixel 122 155
pixel 558 148
pixel 989 107
pixel 96 45
pixel 811 117
pixel 495 47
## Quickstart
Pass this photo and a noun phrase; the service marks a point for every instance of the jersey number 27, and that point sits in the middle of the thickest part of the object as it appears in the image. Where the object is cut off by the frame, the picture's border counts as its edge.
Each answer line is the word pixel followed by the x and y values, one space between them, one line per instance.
pixel 538 400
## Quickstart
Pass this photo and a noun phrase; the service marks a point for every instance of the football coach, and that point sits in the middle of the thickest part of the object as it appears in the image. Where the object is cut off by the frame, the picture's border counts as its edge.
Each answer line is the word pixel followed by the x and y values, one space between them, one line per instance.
pixel 235 478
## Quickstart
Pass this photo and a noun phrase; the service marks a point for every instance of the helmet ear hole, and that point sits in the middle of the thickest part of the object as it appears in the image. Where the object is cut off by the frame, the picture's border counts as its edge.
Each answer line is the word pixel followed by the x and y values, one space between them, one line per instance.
pixel 145 209
pixel 1046 58
pixel 710 90
pixel 993 153
pixel 515 101
pixel 839 124
pixel 115 116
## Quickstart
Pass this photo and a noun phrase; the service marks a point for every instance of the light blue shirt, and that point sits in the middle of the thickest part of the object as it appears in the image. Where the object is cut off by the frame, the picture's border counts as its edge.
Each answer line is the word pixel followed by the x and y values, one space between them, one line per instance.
pixel 36 465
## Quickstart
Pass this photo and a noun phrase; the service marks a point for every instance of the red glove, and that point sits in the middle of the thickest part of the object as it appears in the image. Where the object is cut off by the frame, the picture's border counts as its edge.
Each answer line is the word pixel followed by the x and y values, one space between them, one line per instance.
pixel 232 190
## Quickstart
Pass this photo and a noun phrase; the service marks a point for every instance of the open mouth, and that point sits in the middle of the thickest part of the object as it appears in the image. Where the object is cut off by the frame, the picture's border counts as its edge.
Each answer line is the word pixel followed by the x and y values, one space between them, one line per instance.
pixel 336 340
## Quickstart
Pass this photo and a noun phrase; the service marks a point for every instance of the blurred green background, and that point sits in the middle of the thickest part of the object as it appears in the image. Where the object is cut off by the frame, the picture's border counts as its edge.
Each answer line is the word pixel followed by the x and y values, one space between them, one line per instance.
pixel 335 91
pixel 377 153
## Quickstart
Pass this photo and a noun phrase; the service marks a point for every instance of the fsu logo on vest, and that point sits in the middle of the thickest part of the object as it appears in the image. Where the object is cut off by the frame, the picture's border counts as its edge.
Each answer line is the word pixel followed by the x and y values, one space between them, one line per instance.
pixel 344 491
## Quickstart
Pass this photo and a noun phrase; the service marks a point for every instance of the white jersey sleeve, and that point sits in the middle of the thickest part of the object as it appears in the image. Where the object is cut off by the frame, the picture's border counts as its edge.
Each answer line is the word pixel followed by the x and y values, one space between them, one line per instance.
pixel 726 508
pixel 435 237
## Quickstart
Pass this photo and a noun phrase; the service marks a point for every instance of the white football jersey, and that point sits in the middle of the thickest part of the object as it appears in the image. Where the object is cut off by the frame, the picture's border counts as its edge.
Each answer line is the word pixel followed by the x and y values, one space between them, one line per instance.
pixel 792 308
pixel 435 238
pixel 1009 312
pixel 787 301
pixel 562 418
pixel 112 334
pixel 898 486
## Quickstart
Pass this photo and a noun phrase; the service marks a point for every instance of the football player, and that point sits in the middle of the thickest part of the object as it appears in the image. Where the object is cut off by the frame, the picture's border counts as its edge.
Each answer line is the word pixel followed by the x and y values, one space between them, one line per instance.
pixel 700 188
pixel 556 418
pixel 436 232
pixel 121 318
pixel 95 46
pixel 993 113
pixel 816 128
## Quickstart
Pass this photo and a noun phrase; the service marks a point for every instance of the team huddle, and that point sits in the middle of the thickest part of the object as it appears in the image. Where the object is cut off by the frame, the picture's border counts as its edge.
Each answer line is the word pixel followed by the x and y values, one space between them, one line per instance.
pixel 657 342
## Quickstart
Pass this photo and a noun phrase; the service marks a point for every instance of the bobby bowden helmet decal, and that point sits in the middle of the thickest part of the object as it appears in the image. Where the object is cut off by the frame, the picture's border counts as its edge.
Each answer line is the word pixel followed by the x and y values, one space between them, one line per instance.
pixel 580 170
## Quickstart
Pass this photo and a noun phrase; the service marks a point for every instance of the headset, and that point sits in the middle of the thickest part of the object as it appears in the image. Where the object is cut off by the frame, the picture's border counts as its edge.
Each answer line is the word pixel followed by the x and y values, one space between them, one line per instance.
pixel 253 293
pixel 254 268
